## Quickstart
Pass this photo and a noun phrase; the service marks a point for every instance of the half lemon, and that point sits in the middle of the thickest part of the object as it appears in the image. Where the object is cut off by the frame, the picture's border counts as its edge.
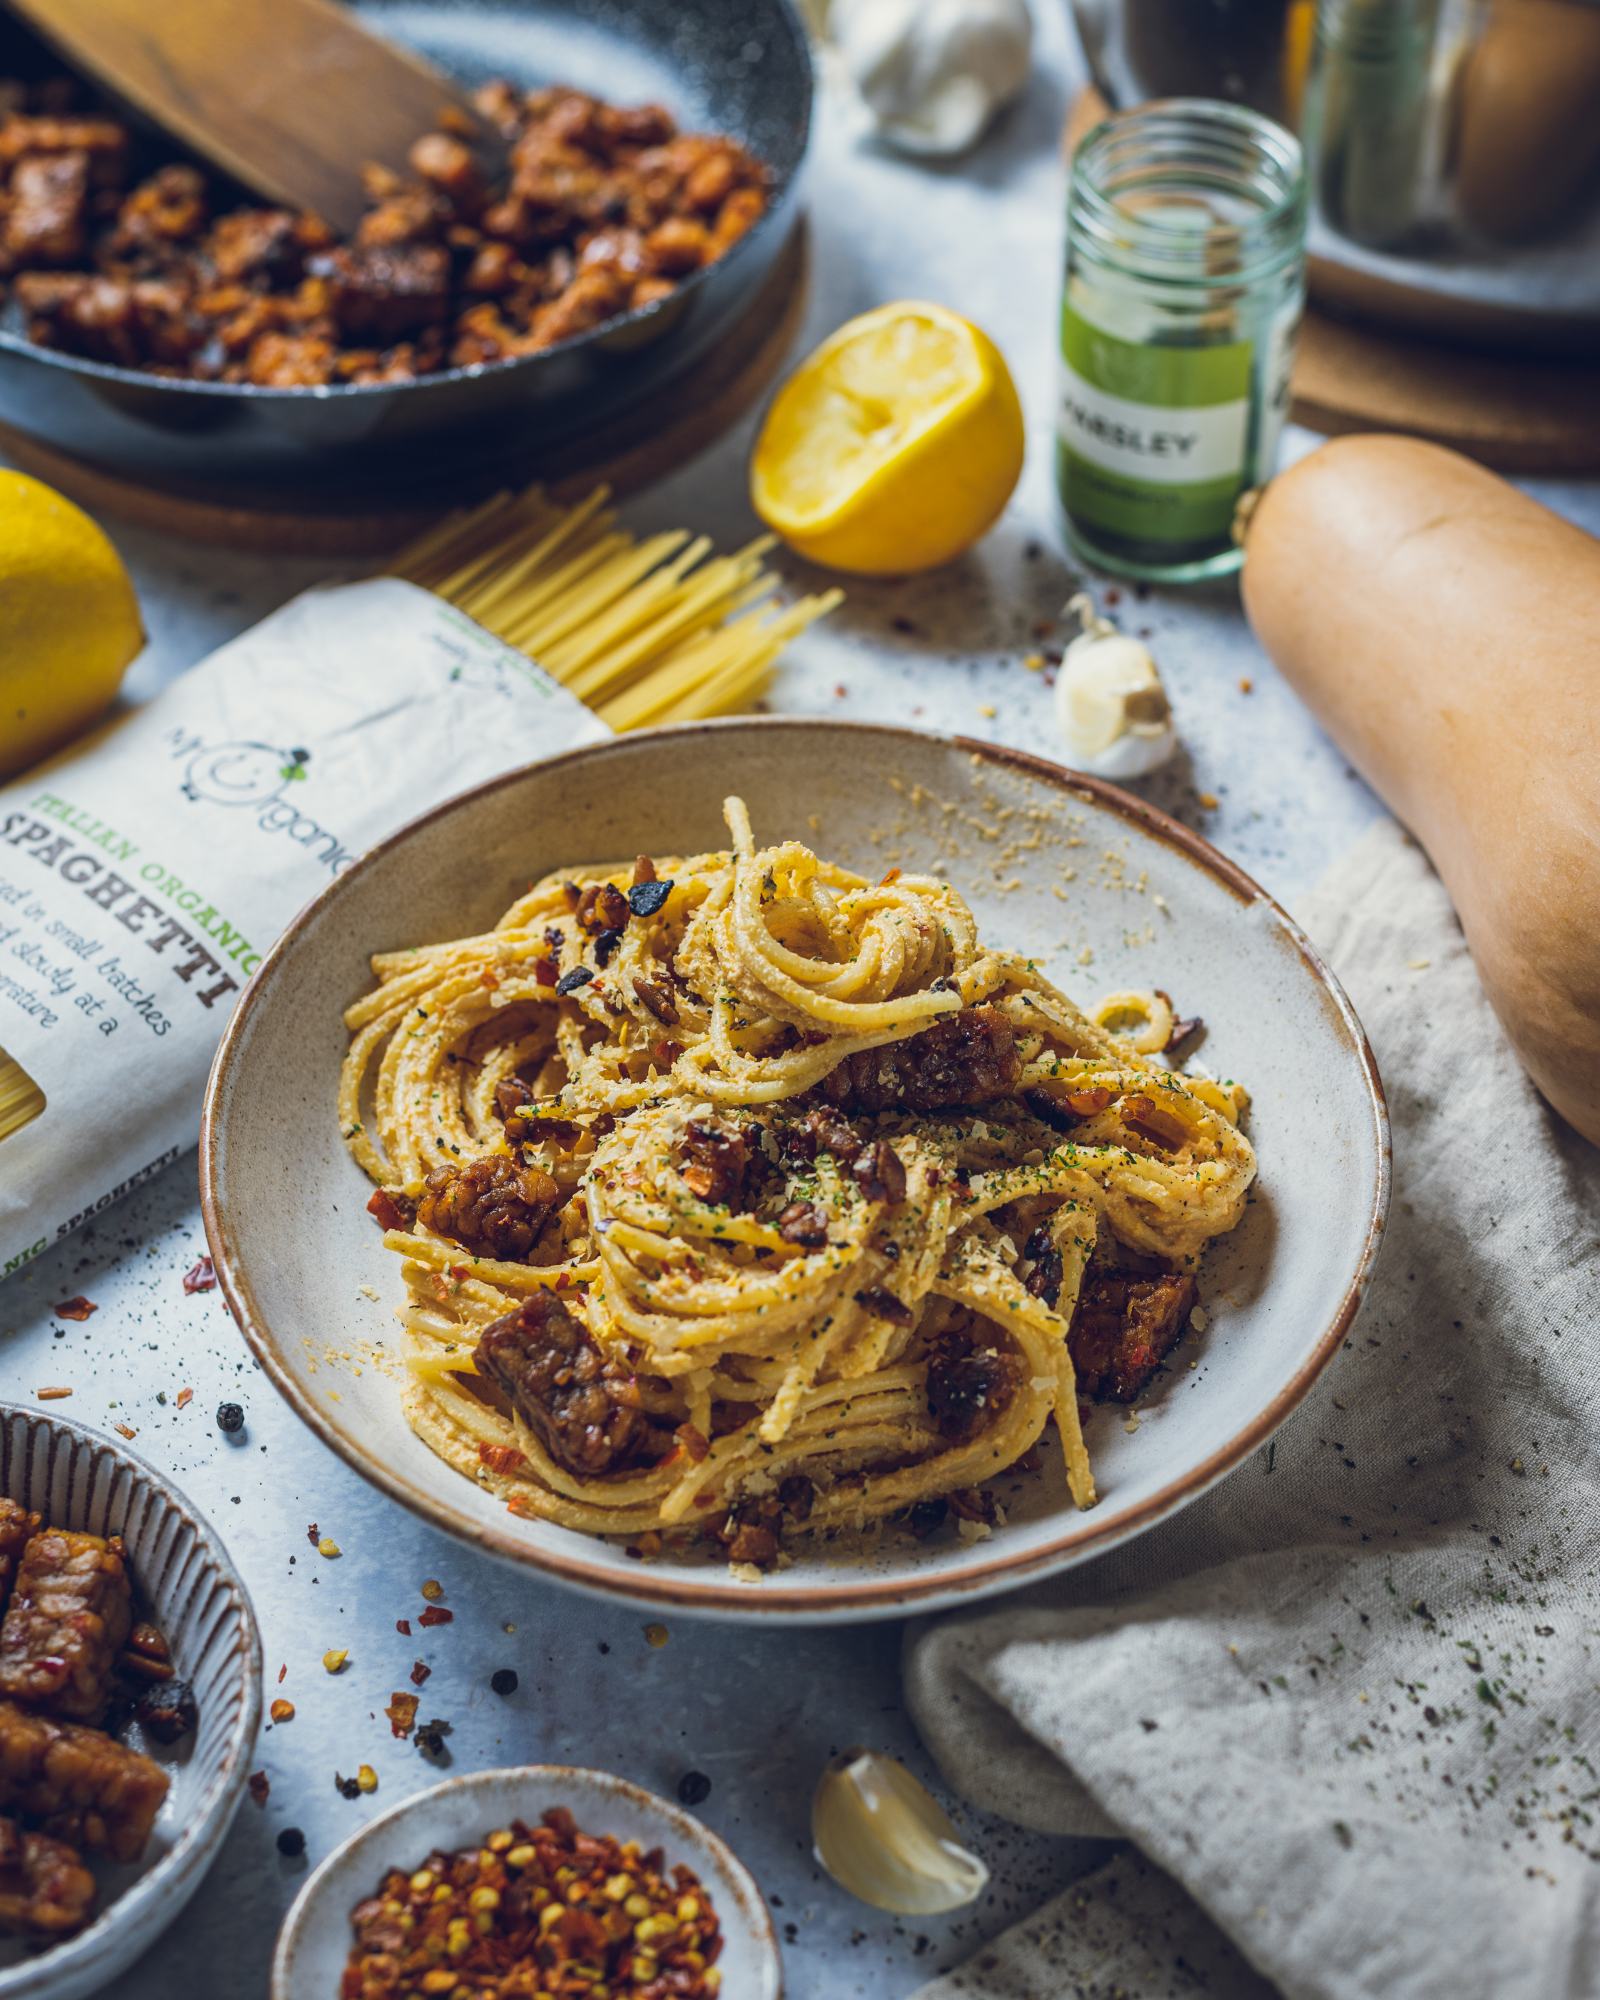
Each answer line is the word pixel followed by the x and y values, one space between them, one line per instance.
pixel 894 446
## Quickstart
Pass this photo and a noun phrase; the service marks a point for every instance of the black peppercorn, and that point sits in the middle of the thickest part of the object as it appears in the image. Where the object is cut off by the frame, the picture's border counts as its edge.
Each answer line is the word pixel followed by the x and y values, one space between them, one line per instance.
pixel 694 1788
pixel 168 1710
pixel 230 1417
pixel 291 1842
pixel 347 1788
pixel 503 1681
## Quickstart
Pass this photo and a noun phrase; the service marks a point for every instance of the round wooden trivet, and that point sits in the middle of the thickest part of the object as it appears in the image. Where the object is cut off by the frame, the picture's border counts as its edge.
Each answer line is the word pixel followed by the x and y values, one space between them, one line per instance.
pixel 625 453
pixel 1518 413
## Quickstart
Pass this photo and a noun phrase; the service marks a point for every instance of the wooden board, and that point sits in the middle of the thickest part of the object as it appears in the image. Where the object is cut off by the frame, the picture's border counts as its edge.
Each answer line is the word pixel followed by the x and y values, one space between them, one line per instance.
pixel 1518 413
pixel 690 414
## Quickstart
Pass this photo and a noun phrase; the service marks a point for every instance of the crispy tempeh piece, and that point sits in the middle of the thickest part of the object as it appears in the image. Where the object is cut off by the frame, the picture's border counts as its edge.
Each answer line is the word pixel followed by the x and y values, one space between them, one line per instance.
pixel 69 1616
pixel 45 1890
pixel 80 1785
pixel 17 1526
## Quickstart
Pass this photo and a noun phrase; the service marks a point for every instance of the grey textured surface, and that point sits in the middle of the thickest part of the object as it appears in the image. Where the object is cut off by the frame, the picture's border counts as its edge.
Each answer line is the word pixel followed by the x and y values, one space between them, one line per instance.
pixel 758 1713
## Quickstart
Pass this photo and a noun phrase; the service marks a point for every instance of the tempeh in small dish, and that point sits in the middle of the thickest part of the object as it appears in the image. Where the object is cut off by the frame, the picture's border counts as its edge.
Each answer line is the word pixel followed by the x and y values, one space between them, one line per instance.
pixel 129 1699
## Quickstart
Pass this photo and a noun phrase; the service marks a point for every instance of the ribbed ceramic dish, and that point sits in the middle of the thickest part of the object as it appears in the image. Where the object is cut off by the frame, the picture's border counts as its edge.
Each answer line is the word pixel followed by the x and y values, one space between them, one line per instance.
pixel 188 1587
pixel 315 1939
pixel 1055 865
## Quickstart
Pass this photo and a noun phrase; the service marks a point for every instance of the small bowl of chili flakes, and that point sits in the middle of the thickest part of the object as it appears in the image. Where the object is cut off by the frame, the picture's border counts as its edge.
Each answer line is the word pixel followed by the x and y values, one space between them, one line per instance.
pixel 522 1884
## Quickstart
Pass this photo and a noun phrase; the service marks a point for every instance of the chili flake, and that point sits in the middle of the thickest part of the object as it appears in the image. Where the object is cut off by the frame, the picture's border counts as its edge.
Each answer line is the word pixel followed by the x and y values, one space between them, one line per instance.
pixel 420 1671
pixel 544 1909
pixel 435 1614
pixel 184 1398
pixel 77 1307
pixel 402 1713
pixel 281 1710
pixel 259 1786
pixel 201 1277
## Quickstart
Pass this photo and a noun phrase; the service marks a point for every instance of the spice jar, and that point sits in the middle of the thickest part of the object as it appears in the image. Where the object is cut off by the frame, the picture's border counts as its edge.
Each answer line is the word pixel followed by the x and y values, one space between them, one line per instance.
pixel 1185 280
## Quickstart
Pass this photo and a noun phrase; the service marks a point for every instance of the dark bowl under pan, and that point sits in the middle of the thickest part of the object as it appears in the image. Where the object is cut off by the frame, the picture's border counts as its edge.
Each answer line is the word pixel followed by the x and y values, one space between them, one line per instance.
pixel 743 69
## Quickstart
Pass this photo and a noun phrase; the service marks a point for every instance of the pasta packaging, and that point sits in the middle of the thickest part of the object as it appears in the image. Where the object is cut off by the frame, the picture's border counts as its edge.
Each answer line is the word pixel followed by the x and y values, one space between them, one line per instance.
pixel 146 871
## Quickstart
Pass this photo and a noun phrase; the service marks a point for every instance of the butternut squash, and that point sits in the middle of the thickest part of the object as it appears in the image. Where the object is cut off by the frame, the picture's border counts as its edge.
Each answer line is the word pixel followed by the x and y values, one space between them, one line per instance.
pixel 1445 630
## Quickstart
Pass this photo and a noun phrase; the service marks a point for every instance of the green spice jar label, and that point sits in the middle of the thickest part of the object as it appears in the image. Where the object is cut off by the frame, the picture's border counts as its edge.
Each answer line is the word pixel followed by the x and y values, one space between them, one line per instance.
pixel 1153 440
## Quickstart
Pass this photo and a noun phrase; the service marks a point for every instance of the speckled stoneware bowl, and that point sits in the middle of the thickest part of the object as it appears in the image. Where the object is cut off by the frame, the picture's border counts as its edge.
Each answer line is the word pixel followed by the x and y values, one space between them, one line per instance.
pixel 1103 890
pixel 186 1585
pixel 316 1938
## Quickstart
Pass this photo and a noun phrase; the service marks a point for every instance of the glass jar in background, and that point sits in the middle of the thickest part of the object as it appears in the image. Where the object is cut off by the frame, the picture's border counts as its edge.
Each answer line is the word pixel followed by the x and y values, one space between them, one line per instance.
pixel 1185 280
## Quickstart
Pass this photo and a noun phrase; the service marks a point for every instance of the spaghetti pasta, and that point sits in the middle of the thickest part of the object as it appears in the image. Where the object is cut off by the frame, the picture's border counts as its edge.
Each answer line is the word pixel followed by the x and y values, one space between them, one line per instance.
pixel 737 1193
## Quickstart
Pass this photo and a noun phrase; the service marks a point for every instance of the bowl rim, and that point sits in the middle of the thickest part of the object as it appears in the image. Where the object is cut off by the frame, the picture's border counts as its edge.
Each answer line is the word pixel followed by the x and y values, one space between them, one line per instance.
pixel 691 1832
pixel 885 1597
pixel 200 1838
pixel 775 217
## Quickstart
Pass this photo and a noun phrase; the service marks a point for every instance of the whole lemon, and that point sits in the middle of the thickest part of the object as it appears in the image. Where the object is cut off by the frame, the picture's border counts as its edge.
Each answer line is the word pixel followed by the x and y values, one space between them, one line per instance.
pixel 69 621
pixel 894 446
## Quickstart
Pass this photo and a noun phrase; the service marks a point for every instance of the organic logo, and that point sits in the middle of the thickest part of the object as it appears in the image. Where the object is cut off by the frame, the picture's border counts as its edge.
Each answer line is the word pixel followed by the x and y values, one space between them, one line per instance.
pixel 242 774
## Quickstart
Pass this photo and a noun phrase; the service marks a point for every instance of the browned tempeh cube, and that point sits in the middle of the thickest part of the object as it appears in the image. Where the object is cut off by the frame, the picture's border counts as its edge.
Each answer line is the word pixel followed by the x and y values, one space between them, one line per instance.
pixel 81 1786
pixel 16 1526
pixel 45 1890
pixel 67 1621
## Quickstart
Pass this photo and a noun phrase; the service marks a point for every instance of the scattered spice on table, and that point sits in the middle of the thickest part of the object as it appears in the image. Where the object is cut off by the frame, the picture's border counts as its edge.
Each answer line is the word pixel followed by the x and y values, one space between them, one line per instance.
pixel 543 1909
pixel 184 1398
pixel 327 1546
pixel 694 1788
pixel 503 1680
pixel 291 1842
pixel 51 1395
pixel 435 1614
pixel 402 1713
pixel 403 1627
pixel 230 1418
pixel 420 1670
pixel 201 1277
pixel 125 1430
pixel 432 1589
pixel 77 1307
pixel 336 1659
pixel 656 1635
pixel 429 1739
pixel 259 1785
pixel 281 1710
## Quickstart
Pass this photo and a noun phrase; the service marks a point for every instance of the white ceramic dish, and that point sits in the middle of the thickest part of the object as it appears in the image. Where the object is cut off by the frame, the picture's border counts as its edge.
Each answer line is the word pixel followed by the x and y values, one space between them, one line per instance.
pixel 190 1589
pixel 1053 863
pixel 315 1940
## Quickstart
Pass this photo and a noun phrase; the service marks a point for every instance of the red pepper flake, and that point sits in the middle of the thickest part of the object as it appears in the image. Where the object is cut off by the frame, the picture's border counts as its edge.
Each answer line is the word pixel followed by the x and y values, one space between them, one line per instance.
pixel 283 1673
pixel 519 1505
pixel 184 1398
pixel 77 1307
pixel 420 1671
pixel 502 1457
pixel 391 1211
pixel 51 1395
pixel 436 1614
pixel 402 1713
pixel 313 1534
pixel 259 1785
pixel 125 1430
pixel 403 1627
pixel 200 1277
pixel 460 1273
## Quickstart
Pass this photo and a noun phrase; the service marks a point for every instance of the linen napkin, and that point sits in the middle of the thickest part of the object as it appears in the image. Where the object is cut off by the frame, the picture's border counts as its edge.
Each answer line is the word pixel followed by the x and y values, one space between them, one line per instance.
pixel 1345 1705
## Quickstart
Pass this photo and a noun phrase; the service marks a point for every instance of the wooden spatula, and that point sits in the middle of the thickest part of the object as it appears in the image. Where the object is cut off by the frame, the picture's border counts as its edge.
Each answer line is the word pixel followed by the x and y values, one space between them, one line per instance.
pixel 291 97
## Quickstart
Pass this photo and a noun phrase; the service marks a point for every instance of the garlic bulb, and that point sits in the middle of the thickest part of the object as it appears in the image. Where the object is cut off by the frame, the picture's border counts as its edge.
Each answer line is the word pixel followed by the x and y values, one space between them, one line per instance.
pixel 934 72
pixel 1111 707
pixel 884 1837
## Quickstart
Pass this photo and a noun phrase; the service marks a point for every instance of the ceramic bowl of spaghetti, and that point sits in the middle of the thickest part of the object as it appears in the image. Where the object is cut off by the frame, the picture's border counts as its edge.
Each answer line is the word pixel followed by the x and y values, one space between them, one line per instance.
pixel 785 1168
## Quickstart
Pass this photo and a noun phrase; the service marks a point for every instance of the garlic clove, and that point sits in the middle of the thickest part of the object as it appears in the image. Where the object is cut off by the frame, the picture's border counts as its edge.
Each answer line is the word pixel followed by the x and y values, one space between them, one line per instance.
pixel 934 73
pixel 1113 712
pixel 885 1838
